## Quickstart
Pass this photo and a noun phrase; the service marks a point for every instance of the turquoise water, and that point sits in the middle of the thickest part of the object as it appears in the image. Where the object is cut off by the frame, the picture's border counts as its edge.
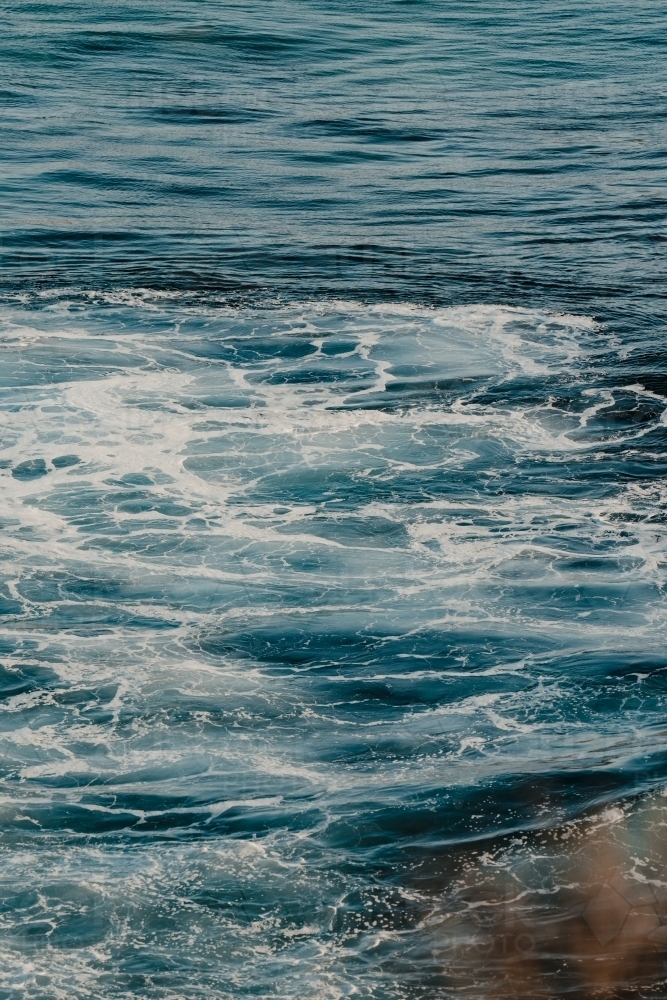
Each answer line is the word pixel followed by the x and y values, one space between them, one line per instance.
pixel 332 558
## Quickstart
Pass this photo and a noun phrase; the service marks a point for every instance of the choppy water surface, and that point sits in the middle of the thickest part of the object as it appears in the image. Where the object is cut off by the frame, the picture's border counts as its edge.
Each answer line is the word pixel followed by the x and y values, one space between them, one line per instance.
pixel 332 501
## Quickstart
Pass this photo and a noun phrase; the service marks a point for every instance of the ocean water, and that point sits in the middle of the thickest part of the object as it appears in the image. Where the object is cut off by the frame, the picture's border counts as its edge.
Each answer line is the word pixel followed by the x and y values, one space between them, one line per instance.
pixel 333 393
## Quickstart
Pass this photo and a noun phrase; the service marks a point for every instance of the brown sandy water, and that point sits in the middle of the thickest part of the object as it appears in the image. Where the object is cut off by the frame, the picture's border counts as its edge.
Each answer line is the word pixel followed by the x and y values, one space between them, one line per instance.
pixel 579 911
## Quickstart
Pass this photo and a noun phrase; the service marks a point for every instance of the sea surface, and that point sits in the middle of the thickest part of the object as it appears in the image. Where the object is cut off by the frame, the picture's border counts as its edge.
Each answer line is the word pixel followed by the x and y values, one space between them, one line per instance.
pixel 333 499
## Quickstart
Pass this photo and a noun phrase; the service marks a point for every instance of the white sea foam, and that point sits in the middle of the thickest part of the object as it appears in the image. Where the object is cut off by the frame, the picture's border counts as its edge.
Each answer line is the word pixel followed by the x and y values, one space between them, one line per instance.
pixel 277 517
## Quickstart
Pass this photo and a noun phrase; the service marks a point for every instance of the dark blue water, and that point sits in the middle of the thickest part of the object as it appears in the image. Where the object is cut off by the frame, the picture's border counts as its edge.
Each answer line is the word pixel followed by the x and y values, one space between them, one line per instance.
pixel 333 464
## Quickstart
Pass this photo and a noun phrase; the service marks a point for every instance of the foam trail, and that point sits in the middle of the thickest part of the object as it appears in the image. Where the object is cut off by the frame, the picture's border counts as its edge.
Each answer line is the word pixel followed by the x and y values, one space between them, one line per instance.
pixel 316 619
